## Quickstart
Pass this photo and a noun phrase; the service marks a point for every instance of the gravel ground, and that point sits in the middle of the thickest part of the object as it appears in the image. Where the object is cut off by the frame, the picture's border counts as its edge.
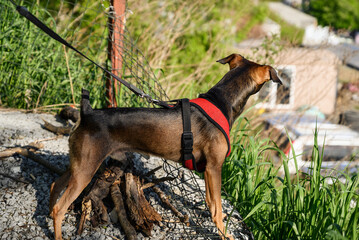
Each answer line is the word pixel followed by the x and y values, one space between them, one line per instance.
pixel 24 207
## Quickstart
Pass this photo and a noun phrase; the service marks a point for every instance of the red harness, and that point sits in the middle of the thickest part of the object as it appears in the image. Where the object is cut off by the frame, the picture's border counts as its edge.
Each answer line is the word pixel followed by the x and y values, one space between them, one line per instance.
pixel 215 116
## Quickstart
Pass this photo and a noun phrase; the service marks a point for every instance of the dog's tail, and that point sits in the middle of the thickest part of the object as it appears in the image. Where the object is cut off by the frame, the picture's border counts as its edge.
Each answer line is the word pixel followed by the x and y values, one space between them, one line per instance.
pixel 85 102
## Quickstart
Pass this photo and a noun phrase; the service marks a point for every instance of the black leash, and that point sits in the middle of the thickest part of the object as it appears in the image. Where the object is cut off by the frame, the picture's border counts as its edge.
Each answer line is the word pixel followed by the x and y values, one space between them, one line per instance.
pixel 24 12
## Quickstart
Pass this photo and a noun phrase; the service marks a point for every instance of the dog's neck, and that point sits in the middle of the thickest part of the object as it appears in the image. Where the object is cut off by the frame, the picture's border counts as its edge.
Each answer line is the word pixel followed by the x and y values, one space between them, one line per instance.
pixel 231 94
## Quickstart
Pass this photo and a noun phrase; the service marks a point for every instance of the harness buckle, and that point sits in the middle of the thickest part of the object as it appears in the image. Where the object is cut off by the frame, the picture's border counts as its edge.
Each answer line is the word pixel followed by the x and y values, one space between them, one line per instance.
pixel 187 142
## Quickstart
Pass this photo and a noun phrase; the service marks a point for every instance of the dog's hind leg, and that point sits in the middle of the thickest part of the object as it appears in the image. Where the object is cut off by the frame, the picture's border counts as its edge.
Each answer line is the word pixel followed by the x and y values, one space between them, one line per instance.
pixel 78 180
pixel 86 155
pixel 75 187
pixel 57 187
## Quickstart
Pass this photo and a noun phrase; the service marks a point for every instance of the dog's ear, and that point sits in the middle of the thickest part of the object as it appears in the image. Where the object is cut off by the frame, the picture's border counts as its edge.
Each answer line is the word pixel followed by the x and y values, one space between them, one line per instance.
pixel 234 60
pixel 264 73
pixel 273 75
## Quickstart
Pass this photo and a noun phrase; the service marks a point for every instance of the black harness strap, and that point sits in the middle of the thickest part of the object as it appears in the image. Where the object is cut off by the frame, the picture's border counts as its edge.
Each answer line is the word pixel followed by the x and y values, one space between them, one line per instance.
pixel 187 136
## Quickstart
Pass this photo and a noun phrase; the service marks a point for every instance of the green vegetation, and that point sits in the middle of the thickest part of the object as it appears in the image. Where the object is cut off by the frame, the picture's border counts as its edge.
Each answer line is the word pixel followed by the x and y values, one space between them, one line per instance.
pixel 340 14
pixel 274 207
pixel 186 38
pixel 36 70
pixel 181 40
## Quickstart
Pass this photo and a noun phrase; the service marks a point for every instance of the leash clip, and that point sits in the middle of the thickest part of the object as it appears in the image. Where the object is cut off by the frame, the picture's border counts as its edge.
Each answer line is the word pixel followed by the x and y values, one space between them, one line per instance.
pixel 147 97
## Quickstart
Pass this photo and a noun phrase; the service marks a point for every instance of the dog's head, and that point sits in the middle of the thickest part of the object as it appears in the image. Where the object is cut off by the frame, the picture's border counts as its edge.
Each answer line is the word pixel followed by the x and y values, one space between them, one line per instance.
pixel 259 73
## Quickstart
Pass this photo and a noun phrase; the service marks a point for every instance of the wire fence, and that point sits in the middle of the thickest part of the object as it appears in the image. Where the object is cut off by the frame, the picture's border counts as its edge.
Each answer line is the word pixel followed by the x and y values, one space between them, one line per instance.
pixel 37 71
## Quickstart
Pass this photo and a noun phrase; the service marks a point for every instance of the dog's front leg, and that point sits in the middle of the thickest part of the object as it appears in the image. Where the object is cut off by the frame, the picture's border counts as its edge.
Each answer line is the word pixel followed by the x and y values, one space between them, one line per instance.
pixel 213 181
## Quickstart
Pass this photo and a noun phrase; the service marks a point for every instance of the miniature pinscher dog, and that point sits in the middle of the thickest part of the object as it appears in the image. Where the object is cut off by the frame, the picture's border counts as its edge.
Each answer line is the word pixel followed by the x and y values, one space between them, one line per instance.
pixel 157 131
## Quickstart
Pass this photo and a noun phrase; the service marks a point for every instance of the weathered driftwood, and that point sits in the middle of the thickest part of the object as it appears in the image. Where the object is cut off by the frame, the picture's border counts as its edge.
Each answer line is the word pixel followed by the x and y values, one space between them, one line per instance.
pixel 127 227
pixel 63 130
pixel 133 210
pixel 34 146
pixel 94 199
pixel 28 152
pixel 164 199
pixel 70 113
pixel 140 211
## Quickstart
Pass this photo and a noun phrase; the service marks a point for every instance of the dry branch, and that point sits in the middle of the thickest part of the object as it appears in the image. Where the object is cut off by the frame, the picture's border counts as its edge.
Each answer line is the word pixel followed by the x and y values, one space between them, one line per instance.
pixel 40 160
pixel 164 199
pixel 121 213
pixel 28 151
pixel 13 178
pixel 71 113
pixel 163 179
pixel 141 212
pixel 150 173
pixel 148 185
pixel 93 200
pixel 67 113
pixel 86 209
pixel 55 129
pixel 157 181
pixel 11 151
pixel 48 139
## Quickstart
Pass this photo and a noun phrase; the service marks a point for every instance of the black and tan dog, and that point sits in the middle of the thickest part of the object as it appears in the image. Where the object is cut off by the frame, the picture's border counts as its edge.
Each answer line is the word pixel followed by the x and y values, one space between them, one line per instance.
pixel 157 131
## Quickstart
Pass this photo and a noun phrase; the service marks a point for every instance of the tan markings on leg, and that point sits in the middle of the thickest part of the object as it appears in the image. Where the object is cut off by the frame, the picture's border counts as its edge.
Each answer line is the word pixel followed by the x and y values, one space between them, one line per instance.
pixel 57 187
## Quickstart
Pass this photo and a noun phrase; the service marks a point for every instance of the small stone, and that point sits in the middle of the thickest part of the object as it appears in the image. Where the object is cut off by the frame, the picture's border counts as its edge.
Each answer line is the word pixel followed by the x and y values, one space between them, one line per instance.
pixel 20 224
pixel 16 169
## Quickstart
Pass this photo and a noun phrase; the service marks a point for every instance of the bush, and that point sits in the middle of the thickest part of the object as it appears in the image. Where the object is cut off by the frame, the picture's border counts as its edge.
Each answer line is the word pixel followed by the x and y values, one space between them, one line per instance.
pixel 340 14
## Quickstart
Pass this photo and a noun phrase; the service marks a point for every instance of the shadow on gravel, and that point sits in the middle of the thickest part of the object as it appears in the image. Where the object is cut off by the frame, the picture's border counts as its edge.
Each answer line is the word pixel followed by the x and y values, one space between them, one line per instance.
pixel 41 179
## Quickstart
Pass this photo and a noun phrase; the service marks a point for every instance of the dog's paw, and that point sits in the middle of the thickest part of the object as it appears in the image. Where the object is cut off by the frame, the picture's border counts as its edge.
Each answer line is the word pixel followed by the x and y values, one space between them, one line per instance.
pixel 229 236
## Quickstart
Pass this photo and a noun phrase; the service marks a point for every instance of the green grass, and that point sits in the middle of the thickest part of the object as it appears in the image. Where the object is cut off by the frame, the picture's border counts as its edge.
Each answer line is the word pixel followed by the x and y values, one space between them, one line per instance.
pixel 288 207
pixel 37 71
pixel 33 69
